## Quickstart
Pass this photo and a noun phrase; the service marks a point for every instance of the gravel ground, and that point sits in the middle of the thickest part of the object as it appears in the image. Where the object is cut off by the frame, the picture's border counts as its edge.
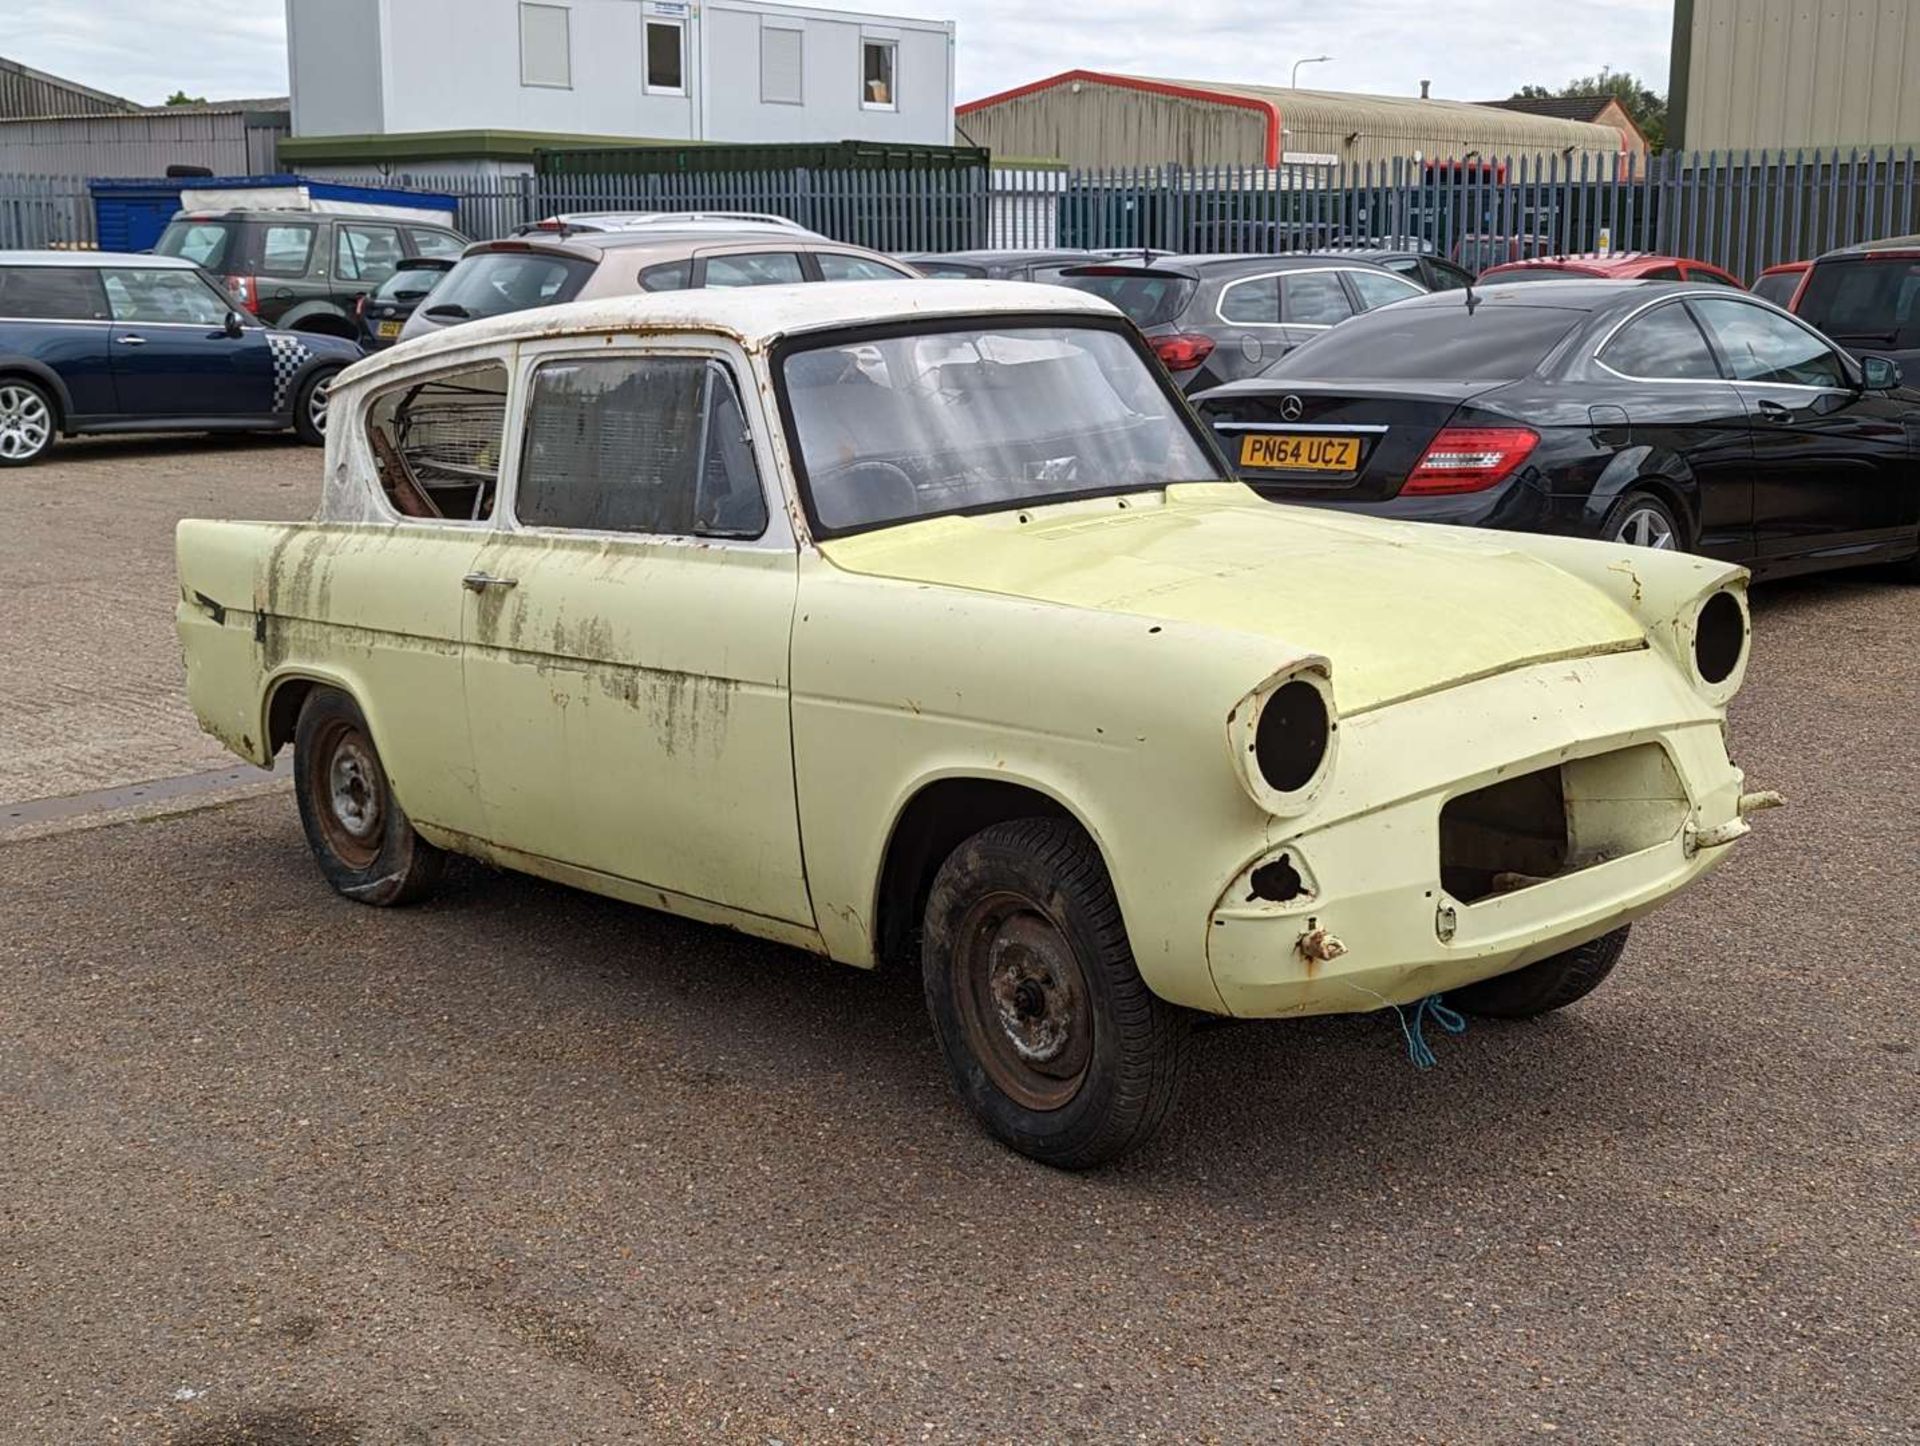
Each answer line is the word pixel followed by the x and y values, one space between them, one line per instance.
pixel 527 1166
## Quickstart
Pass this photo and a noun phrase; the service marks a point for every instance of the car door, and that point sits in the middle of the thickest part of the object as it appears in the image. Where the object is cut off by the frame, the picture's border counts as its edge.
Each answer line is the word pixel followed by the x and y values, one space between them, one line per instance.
pixel 57 316
pixel 1665 407
pixel 174 353
pixel 1832 463
pixel 365 253
pixel 627 638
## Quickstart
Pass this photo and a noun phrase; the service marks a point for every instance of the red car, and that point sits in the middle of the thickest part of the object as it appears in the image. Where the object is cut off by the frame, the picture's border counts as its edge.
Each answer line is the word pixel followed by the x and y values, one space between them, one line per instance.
pixel 1780 284
pixel 1619 266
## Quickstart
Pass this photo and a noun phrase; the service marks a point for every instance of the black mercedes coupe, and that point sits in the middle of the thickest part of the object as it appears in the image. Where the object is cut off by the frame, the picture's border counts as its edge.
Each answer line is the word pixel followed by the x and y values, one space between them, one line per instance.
pixel 1658 413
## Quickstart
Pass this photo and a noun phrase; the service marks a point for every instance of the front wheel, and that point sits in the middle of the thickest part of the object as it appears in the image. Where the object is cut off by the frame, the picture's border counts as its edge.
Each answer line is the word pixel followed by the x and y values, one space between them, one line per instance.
pixel 364 843
pixel 1050 1034
pixel 1553 983
pixel 26 422
pixel 310 407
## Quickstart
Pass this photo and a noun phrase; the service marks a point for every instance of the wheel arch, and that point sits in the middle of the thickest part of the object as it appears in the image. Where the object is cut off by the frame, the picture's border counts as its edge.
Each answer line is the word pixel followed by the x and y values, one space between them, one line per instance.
pixel 935 816
pixel 320 317
pixel 43 375
pixel 1664 476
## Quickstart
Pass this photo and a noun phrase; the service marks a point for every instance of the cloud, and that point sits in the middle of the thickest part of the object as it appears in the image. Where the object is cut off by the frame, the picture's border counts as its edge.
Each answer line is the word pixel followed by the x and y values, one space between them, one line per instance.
pixel 1469 49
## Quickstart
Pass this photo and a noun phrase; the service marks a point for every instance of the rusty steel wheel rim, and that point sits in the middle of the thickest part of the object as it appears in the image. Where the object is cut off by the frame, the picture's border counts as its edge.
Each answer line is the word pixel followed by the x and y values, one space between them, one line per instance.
pixel 1022 999
pixel 349 794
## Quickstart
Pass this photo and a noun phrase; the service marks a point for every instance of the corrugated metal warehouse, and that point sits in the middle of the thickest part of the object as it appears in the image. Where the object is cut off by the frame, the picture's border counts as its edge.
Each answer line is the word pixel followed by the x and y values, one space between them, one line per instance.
pixel 1785 74
pixel 237 139
pixel 1095 119
pixel 26 91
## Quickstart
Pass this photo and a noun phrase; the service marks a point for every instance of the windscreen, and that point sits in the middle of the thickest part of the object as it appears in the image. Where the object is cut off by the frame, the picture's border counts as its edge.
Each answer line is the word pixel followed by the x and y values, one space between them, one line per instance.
pixel 204 243
pixel 1148 298
pixel 981 418
pixel 1866 302
pixel 1434 343
pixel 497 282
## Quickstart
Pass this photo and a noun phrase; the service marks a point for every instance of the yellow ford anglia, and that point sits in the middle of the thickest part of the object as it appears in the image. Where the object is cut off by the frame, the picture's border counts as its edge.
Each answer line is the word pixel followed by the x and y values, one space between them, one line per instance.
pixel 923 625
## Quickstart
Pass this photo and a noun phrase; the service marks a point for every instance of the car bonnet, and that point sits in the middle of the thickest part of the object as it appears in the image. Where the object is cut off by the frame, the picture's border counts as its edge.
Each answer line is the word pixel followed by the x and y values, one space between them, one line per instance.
pixel 1401 610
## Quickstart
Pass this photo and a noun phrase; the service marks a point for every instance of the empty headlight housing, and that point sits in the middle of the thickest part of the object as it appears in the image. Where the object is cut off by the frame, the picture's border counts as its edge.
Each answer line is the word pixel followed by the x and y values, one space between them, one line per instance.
pixel 1715 636
pixel 1283 736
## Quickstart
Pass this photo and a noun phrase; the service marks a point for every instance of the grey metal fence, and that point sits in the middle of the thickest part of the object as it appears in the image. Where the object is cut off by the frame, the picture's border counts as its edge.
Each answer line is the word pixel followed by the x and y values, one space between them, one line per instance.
pixel 1742 212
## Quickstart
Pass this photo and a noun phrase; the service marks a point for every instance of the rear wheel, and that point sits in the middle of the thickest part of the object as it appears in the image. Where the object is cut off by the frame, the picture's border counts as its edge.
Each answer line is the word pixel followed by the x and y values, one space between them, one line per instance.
pixel 1050 1034
pixel 362 840
pixel 1553 983
pixel 310 406
pixel 26 422
pixel 1642 520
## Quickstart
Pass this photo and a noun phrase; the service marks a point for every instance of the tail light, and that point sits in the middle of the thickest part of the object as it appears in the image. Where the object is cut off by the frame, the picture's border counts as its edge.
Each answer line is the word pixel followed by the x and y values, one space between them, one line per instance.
pixel 1469 459
pixel 1183 351
pixel 246 291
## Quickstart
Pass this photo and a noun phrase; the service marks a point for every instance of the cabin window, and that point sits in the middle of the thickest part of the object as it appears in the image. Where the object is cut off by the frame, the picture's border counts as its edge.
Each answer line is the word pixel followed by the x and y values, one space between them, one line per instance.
pixel 436 444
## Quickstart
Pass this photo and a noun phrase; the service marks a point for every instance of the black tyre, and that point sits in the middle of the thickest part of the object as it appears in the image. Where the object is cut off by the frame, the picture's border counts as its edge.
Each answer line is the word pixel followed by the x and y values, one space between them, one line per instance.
pixel 28 422
pixel 310 406
pixel 363 842
pixel 1553 983
pixel 1644 520
pixel 1049 1032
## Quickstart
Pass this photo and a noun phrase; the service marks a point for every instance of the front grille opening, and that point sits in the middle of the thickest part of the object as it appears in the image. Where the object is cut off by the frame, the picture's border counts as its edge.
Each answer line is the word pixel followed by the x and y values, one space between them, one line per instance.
pixel 1505 837
pixel 1555 821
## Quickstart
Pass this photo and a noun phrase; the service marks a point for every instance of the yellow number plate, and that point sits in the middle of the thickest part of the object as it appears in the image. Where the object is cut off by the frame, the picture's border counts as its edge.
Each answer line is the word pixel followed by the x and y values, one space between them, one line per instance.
pixel 387 328
pixel 1300 452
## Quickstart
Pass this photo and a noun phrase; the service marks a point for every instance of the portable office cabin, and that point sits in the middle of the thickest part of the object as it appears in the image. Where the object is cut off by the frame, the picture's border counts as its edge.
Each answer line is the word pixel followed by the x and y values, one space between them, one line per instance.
pixel 1096 120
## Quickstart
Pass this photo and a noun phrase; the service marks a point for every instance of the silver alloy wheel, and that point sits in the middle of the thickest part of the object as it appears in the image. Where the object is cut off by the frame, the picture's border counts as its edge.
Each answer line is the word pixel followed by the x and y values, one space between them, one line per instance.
pixel 26 423
pixel 317 404
pixel 1646 527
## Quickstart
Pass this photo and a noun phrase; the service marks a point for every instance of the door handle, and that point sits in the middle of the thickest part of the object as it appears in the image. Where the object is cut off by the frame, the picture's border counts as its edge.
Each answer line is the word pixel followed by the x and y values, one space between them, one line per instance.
pixel 1774 412
pixel 131 340
pixel 481 581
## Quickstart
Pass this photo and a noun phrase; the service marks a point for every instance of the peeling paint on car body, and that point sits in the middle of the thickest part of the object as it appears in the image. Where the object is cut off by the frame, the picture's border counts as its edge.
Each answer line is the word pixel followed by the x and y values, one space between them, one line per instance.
pixel 732 730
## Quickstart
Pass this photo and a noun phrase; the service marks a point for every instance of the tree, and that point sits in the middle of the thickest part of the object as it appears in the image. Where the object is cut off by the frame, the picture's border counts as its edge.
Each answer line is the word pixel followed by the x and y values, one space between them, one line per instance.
pixel 180 97
pixel 1647 106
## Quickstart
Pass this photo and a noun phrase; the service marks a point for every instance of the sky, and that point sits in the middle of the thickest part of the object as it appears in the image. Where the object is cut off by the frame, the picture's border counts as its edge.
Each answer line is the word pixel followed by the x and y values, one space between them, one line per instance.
pixel 1469 49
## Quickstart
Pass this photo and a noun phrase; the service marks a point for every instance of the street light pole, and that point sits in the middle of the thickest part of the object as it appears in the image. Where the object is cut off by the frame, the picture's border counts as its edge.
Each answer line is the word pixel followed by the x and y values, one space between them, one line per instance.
pixel 1294 84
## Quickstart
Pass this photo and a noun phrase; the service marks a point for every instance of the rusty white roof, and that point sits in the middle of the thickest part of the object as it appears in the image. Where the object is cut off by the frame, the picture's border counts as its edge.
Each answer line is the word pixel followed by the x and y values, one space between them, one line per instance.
pixel 753 315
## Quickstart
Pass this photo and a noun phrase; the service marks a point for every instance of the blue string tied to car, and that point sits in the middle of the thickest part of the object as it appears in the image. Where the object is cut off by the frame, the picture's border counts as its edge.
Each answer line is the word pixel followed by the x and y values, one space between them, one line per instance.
pixel 1418 1050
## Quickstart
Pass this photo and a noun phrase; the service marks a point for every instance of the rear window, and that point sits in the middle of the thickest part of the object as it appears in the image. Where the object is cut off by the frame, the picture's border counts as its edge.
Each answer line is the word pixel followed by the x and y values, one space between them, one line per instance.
pixel 1861 301
pixel 949 270
pixel 1490 343
pixel 1148 298
pixel 410 283
pixel 497 282
pixel 1777 288
pixel 51 293
pixel 204 243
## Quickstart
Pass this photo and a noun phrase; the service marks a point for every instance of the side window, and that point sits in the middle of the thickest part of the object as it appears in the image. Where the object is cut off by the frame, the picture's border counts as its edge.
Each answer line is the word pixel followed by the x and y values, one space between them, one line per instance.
pixel 1315 298
pixel 837 267
pixel 154 297
pixel 1253 302
pixel 667 276
pixel 653 445
pixel 204 244
pixel 436 244
pixel 1442 277
pixel 1764 346
pixel 1380 288
pixel 51 293
pixel 365 253
pixel 1662 345
pixel 436 443
pixel 764 268
pixel 285 250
